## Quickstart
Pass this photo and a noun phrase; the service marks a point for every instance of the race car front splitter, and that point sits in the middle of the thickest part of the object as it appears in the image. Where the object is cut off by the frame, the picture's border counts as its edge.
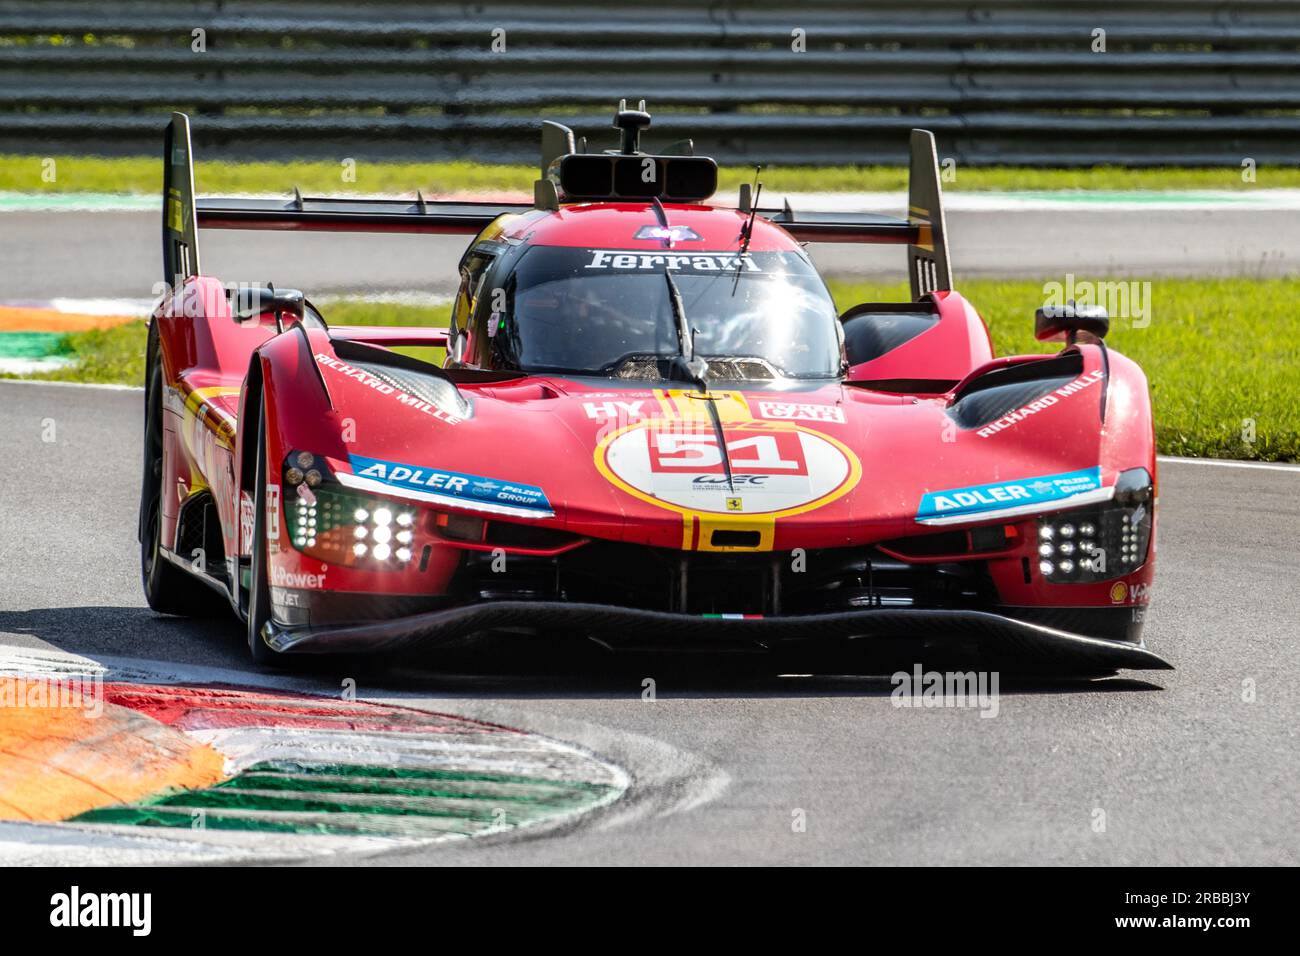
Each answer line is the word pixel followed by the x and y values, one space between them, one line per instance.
pixel 999 640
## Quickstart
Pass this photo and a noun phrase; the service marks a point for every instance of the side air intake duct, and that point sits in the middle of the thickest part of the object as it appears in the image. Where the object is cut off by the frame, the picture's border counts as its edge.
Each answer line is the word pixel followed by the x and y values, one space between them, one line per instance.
pixel 1004 390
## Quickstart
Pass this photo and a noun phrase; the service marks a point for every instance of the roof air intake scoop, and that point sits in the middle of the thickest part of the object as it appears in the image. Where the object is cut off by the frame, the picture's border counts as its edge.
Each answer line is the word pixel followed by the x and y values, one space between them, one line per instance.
pixel 630 123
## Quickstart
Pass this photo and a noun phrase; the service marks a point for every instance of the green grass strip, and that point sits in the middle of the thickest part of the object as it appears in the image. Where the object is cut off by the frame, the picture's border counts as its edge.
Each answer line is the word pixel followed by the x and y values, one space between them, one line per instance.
pixel 113 355
pixel 1221 355
pixel 140 175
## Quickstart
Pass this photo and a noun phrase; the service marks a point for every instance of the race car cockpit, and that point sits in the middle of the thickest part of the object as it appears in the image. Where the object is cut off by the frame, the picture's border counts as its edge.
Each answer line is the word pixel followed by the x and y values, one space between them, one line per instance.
pixel 607 312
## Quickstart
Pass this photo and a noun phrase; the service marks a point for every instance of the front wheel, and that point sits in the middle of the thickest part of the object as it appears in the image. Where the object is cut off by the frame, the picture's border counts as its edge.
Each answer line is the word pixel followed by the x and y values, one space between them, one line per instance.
pixel 168 588
pixel 259 590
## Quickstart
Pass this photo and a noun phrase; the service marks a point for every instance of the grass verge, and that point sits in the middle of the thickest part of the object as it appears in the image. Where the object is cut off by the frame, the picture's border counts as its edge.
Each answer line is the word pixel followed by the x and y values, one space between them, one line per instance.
pixel 140 174
pixel 1221 355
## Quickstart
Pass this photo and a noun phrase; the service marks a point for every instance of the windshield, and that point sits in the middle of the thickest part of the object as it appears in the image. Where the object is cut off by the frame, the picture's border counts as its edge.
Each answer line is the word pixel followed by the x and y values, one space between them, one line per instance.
pixel 608 312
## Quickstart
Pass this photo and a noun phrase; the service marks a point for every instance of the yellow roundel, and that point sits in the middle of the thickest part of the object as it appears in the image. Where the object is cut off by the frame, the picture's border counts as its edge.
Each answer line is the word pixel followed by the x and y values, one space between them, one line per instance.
pixel 777 468
pixel 1118 592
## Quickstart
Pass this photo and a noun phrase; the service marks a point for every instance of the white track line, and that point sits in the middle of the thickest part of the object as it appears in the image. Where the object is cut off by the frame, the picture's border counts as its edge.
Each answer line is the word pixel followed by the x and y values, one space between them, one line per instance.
pixel 104 385
pixel 1229 463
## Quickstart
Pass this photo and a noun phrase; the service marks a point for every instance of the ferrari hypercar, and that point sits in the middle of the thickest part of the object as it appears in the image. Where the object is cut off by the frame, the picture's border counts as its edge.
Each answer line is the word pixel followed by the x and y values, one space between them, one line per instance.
pixel 653 427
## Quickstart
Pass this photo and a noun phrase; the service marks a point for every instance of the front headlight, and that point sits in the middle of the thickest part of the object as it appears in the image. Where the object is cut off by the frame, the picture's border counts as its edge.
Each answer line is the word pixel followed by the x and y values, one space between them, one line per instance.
pixel 345 527
pixel 1095 544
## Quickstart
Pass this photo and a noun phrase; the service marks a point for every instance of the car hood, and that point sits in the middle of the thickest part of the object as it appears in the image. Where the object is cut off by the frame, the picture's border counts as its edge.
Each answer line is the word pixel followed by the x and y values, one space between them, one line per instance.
pixel 821 465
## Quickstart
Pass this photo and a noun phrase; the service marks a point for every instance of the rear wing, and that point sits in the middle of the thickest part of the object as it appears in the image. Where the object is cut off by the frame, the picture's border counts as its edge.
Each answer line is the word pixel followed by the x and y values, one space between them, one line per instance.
pixel 353 215
pixel 179 230
pixel 927 255
pixel 923 231
pixel 182 213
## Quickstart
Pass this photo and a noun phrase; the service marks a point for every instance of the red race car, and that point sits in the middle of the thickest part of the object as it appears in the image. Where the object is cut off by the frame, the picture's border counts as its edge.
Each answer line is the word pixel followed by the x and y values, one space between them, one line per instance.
pixel 652 428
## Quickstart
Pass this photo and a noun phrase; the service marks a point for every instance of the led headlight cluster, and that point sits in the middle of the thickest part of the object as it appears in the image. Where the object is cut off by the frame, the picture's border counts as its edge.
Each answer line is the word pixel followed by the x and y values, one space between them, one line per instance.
pixel 1095 544
pixel 1064 546
pixel 332 523
pixel 383 533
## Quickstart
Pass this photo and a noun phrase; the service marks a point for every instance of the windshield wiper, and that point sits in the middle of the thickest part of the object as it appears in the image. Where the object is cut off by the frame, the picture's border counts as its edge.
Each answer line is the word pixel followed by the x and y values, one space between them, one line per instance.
pixel 694 369
pixel 747 230
pixel 685 363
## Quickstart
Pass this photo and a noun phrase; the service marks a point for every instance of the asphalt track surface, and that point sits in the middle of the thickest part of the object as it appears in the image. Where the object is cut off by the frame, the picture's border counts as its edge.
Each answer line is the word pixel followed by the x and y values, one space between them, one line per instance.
pixel 1184 767
pixel 116 254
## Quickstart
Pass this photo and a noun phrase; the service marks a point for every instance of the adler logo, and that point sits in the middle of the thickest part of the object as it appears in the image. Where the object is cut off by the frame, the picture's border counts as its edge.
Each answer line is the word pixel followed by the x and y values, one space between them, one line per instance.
pixel 1000 495
pixel 75 909
pixel 974 499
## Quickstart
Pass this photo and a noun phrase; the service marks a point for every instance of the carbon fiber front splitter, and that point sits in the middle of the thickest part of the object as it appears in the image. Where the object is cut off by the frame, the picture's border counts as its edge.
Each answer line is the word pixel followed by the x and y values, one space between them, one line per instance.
pixel 998 639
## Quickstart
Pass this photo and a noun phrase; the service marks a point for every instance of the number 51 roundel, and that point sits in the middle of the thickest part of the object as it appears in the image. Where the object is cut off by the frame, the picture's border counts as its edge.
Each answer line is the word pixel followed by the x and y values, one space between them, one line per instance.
pixel 680 466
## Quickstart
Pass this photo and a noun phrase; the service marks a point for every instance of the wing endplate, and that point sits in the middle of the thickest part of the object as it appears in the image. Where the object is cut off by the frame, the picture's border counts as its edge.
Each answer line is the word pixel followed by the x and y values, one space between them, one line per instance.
pixel 179 227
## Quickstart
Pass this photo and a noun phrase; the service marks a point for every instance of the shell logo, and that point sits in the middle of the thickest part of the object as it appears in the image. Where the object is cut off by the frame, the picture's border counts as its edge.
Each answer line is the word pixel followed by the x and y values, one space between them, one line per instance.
pixel 1118 592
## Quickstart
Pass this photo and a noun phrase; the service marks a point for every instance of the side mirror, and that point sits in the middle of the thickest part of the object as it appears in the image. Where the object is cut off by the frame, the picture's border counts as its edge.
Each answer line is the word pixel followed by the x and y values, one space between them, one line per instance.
pixel 1055 322
pixel 248 302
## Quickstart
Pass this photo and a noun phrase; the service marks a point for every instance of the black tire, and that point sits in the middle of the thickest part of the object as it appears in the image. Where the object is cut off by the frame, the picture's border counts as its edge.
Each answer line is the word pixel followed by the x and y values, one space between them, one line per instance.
pixel 259 590
pixel 168 588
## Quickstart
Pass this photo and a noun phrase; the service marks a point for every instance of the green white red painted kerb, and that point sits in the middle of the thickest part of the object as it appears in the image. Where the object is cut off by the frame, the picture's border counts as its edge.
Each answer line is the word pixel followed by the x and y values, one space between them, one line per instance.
pixel 25 353
pixel 306 775
pixel 33 334
pixel 309 765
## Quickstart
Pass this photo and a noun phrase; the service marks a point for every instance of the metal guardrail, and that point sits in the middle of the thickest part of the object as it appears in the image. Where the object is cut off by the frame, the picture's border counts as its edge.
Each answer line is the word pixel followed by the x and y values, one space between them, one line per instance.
pixel 1186 82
